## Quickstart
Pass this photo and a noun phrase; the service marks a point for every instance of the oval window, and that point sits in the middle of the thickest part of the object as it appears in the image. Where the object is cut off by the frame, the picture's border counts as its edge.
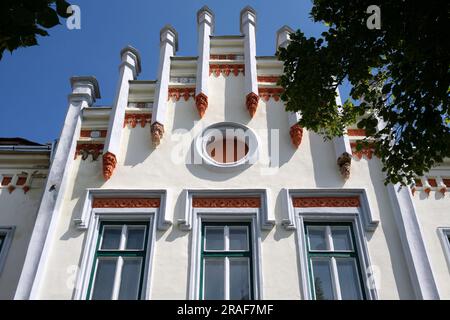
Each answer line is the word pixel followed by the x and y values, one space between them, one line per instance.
pixel 226 149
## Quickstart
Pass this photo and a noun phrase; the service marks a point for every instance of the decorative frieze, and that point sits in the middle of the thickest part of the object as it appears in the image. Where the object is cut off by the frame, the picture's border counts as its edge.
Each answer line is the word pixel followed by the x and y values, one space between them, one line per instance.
pixel 356 132
pixel 177 93
pixel 23 180
pixel 132 119
pixel 318 202
pixel 226 57
pixel 367 151
pixel 86 149
pixel 247 202
pixel 428 184
pixel 267 93
pixel 126 203
pixel 268 79
pixel 226 69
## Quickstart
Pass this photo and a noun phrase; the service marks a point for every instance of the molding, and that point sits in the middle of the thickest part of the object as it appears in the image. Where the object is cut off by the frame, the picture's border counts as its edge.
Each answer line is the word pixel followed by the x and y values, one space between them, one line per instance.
pixel 229 197
pixel 83 220
pixel 126 203
pixel 86 149
pixel 132 119
pixel 88 250
pixel 226 69
pixel 408 226
pixel 267 93
pixel 177 93
pixel 8 232
pixel 212 215
pixel 340 201
pixel 225 202
pixel 320 215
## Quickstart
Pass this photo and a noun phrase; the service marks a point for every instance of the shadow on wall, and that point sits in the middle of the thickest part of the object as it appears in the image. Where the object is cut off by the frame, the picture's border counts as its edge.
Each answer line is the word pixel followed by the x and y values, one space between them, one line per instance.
pixel 234 97
pixel 185 114
pixel 387 221
pixel 326 171
pixel 139 146
pixel 277 119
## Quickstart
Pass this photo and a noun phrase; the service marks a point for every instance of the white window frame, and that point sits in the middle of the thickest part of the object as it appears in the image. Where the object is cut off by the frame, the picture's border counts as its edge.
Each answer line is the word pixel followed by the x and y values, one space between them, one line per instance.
pixel 235 215
pixel 361 219
pixel 8 233
pixel 116 214
pixel 444 235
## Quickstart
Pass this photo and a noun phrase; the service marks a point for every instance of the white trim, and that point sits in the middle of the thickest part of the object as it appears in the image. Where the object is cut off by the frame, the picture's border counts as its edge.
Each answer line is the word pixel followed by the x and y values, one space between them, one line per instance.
pixel 361 219
pixel 115 214
pixel 266 220
pixel 408 226
pixel 201 215
pixel 83 220
pixel 8 232
pixel 444 235
pixel 370 219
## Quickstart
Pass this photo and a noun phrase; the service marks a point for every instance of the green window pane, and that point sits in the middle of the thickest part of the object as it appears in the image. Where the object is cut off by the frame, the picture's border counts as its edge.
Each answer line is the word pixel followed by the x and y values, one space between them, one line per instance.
pixel 342 240
pixel 130 279
pixel 239 279
pixel 348 279
pixel 323 286
pixel 238 238
pixel 213 279
pixel 214 238
pixel 135 238
pixel 111 237
pixel 104 279
pixel 317 238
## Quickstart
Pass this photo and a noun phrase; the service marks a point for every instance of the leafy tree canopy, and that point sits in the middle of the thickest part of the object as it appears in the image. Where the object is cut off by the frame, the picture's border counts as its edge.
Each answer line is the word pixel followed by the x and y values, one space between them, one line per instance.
pixel 399 75
pixel 22 20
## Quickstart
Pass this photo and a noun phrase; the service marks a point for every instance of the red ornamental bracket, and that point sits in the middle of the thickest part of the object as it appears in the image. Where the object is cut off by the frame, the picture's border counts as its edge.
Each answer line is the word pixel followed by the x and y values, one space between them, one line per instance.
pixel 251 101
pixel 109 164
pixel 201 102
pixel 296 133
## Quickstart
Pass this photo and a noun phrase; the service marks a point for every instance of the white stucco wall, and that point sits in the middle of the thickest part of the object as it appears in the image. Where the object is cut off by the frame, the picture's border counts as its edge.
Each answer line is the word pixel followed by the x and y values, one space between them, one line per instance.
pixel 19 210
pixel 434 212
pixel 140 166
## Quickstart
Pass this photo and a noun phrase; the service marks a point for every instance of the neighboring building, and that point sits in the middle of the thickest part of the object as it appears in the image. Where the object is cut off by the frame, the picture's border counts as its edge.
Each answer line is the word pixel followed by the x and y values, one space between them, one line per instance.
pixel 23 169
pixel 200 185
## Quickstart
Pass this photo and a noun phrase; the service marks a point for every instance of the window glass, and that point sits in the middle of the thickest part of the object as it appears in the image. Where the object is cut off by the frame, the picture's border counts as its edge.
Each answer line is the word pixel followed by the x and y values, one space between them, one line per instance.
pixel 2 239
pixel 130 279
pixel 348 279
pixel 214 279
pixel 317 238
pixel 214 238
pixel 135 237
pixel 239 279
pixel 238 238
pixel 104 279
pixel 323 286
pixel 111 237
pixel 342 240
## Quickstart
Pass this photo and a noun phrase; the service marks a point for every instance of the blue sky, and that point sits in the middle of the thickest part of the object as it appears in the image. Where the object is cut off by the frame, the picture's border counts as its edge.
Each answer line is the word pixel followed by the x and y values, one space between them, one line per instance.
pixel 34 82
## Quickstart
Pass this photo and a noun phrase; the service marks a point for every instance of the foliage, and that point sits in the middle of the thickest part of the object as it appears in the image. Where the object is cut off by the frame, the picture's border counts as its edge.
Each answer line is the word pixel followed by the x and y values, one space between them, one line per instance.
pixel 399 76
pixel 22 20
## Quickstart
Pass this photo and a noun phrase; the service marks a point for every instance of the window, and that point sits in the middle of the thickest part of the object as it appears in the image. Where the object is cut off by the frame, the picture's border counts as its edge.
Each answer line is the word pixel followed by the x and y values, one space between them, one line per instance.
pixel 120 260
pixel 333 263
pixel 6 235
pixel 226 262
pixel 227 145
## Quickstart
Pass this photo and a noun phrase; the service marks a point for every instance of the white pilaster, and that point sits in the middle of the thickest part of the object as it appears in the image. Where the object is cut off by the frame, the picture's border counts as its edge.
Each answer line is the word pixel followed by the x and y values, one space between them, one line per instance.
pixel 248 29
pixel 295 131
pixel 413 244
pixel 168 47
pixel 205 23
pixel 84 92
pixel 342 148
pixel 129 69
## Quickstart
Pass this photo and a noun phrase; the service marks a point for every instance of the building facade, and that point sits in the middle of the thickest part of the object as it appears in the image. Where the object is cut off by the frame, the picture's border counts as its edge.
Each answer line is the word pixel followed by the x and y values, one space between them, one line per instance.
pixel 199 185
